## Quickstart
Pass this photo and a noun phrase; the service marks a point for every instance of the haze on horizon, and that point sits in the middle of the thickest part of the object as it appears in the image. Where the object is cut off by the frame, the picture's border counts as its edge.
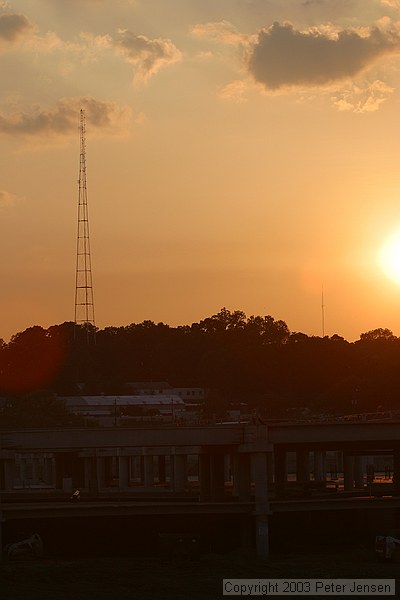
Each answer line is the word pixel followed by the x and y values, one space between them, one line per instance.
pixel 240 153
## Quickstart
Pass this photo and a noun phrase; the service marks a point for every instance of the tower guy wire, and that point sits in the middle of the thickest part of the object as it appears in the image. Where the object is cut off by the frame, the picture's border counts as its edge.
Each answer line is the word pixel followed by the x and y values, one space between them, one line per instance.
pixel 84 302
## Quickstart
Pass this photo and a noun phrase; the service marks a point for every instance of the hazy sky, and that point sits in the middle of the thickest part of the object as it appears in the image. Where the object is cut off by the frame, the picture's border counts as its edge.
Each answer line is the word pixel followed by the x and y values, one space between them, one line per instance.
pixel 240 153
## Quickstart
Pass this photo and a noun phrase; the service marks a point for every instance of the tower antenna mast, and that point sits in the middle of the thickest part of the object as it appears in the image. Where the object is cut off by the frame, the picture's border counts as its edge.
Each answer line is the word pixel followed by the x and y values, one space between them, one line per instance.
pixel 84 304
pixel 323 312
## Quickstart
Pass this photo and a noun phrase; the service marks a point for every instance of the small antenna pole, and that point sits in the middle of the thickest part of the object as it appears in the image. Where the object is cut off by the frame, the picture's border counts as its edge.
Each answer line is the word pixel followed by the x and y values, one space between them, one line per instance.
pixel 323 312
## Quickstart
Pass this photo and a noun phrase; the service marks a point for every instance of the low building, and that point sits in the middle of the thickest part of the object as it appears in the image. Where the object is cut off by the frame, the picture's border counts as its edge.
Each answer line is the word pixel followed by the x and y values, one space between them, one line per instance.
pixel 190 394
pixel 117 410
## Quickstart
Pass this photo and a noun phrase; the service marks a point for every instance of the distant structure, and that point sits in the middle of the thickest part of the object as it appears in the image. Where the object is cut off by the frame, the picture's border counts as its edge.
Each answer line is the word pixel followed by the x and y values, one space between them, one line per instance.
pixel 323 312
pixel 84 304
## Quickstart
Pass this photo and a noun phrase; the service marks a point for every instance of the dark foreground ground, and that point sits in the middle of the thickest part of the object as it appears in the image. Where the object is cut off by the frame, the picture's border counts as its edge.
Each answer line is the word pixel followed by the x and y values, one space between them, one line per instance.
pixel 142 578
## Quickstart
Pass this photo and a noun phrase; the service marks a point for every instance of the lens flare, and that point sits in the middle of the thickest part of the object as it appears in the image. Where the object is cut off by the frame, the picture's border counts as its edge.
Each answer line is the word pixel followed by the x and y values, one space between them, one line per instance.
pixel 389 257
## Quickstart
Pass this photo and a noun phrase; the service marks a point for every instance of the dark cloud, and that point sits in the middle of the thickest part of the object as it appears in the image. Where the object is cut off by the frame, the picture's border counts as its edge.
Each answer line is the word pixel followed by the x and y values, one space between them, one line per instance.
pixel 64 118
pixel 284 57
pixel 12 26
pixel 147 55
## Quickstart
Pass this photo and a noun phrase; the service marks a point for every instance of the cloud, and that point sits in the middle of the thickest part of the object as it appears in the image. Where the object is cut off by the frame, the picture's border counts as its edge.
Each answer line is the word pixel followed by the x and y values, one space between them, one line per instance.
pixel 13 26
pixel 284 57
pixel 7 199
pixel 391 3
pixel 147 55
pixel 234 91
pixel 362 98
pixel 220 31
pixel 93 3
pixel 63 119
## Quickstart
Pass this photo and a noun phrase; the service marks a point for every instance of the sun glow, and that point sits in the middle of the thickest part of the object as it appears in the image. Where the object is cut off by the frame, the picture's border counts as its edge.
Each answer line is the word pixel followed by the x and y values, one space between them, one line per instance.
pixel 389 257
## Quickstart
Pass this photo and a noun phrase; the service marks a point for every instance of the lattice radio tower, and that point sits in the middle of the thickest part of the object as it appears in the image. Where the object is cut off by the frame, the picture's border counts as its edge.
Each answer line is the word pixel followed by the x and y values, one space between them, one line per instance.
pixel 84 304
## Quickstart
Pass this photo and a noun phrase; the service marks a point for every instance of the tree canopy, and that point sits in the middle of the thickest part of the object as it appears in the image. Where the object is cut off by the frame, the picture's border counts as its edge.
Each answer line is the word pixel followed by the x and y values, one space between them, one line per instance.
pixel 253 359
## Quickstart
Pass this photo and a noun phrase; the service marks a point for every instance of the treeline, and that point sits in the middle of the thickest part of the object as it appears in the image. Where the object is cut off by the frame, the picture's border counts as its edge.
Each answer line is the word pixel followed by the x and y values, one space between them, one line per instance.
pixel 253 359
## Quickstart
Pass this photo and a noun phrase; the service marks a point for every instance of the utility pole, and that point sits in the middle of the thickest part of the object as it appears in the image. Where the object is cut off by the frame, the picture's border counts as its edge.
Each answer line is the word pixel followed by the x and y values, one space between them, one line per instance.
pixel 84 304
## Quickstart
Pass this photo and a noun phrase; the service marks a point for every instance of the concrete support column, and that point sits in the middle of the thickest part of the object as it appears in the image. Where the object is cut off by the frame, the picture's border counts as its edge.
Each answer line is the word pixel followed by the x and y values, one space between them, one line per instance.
pixel 148 471
pixel 34 469
pixel 23 472
pixel 53 471
pixel 48 471
pixel 1 535
pixel 136 467
pixel 241 476
pixel 123 472
pixel 179 480
pixel 161 469
pixel 228 467
pixel 247 532
pixel 100 470
pixel 270 466
pixel 261 504
pixel 204 477
pixel 217 477
pixel 302 466
pixel 108 470
pixel 141 459
pixel 358 472
pixel 88 473
pixel 396 472
pixel 280 472
pixel 348 472
pixel 319 465
pixel 9 469
pixel 261 482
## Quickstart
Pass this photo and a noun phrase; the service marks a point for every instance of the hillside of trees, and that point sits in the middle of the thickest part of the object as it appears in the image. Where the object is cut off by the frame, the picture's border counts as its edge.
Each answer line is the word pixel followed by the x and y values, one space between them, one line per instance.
pixel 253 359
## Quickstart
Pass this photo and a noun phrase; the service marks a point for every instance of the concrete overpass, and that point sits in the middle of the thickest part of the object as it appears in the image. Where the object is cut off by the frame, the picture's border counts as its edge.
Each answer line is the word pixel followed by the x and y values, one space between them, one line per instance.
pixel 224 469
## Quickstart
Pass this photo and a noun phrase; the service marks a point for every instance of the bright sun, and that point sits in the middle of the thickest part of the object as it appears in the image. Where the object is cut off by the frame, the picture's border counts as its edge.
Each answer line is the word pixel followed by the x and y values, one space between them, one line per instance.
pixel 390 256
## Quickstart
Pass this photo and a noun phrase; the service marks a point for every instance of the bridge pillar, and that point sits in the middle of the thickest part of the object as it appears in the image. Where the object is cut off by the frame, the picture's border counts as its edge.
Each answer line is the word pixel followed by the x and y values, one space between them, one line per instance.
pixel 241 476
pixel 141 469
pixel 87 473
pixel 261 504
pixel 205 477
pixel 319 465
pixel 90 475
pixel 161 469
pixel 148 471
pixel 270 467
pixel 247 532
pixel 123 472
pixel 217 477
pixel 34 464
pixel 49 470
pixel 101 471
pixel 1 535
pixel 228 467
pixel 109 470
pixel 179 470
pixel 211 475
pixel 348 472
pixel 8 475
pixel 280 472
pixel 302 466
pixel 358 472
pixel 396 472
pixel 136 468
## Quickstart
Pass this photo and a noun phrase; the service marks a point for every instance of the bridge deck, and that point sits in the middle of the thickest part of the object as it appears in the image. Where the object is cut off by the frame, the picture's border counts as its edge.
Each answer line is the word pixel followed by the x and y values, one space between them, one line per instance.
pixel 48 510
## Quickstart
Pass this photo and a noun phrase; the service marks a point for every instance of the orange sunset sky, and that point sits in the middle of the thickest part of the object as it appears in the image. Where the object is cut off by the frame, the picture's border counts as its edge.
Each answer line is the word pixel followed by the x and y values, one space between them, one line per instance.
pixel 240 153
